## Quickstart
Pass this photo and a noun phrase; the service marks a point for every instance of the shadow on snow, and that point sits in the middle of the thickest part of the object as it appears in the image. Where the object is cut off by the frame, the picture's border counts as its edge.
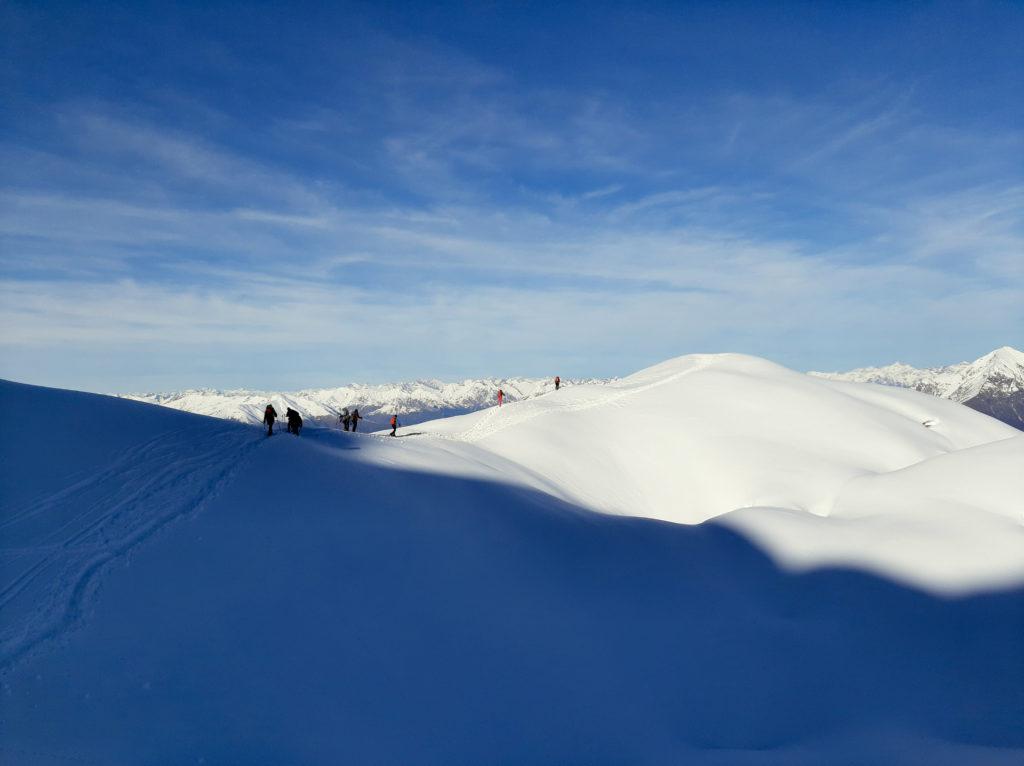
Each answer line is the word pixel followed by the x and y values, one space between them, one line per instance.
pixel 320 610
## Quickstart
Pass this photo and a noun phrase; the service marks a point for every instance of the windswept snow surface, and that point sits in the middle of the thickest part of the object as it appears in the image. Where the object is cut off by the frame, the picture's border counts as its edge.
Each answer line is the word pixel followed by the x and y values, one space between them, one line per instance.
pixel 180 589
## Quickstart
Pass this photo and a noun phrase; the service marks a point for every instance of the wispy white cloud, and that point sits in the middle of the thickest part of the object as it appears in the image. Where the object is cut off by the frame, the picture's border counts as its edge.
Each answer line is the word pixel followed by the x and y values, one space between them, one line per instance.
pixel 604 191
pixel 812 304
pixel 281 219
pixel 202 245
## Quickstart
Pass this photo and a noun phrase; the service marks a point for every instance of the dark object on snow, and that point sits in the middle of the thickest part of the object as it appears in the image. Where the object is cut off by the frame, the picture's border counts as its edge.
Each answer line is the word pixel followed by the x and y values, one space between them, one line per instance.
pixel 558 382
pixel 294 421
pixel 394 424
pixel 345 418
pixel 356 417
pixel 269 416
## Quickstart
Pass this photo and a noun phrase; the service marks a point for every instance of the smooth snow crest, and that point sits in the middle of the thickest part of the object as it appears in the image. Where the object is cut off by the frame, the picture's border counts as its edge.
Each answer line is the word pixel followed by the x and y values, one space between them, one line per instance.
pixel 755 445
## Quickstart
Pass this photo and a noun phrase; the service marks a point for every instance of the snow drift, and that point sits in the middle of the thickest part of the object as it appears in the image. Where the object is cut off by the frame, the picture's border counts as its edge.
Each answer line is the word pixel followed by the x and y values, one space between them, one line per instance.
pixel 181 589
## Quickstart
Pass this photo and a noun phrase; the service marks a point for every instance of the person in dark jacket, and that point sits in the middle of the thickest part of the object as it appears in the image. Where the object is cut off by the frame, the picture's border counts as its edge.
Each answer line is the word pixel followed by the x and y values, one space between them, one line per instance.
pixel 356 417
pixel 294 421
pixel 394 424
pixel 269 416
pixel 345 418
pixel 558 382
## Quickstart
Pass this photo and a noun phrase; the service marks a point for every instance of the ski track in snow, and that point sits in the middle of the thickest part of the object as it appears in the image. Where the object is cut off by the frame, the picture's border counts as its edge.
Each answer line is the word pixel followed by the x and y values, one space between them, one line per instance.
pixel 55 547
pixel 515 413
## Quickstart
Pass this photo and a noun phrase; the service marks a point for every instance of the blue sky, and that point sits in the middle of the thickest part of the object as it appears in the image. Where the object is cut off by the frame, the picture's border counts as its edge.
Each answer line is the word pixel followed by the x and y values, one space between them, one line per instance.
pixel 295 195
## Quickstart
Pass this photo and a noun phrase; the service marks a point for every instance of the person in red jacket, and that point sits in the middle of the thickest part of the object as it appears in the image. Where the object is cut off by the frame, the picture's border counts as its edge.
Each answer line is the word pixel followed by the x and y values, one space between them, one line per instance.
pixel 394 424
pixel 501 396
pixel 558 382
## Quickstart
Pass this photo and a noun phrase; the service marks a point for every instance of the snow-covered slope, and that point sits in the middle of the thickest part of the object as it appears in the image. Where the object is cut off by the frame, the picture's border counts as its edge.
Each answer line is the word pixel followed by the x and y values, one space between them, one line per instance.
pixel 854 595
pixel 701 436
pixel 412 401
pixel 993 384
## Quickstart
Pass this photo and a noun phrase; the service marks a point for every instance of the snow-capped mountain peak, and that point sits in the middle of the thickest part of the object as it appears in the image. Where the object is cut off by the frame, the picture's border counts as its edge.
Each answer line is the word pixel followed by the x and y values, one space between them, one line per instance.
pixel 1000 371
pixel 1006 360
pixel 993 383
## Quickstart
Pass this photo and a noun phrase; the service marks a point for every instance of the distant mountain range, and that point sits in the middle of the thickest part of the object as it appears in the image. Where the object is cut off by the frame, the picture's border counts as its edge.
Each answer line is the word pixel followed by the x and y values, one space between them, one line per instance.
pixel 413 402
pixel 993 384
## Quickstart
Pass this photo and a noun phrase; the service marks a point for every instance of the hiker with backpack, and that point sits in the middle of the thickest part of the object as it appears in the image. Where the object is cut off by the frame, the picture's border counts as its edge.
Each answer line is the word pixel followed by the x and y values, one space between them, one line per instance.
pixel 269 416
pixel 345 418
pixel 558 382
pixel 356 417
pixel 501 396
pixel 394 424
pixel 294 421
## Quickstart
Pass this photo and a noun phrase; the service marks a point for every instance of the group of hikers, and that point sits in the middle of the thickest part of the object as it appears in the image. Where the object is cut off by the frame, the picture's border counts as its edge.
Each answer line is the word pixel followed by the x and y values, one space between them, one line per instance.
pixel 294 420
pixel 348 420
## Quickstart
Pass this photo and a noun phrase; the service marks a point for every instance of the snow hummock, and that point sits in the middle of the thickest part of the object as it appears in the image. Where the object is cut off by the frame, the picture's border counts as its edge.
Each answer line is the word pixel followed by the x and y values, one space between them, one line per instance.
pixel 713 561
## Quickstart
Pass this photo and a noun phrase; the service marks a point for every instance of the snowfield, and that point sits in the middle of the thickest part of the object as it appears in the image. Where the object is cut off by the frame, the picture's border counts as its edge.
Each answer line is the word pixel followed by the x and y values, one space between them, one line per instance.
pixel 713 561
